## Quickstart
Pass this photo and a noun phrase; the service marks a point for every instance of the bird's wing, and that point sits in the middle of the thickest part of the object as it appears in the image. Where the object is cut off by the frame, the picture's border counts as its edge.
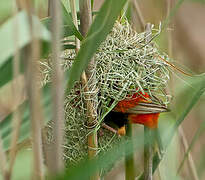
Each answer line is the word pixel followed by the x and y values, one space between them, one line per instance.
pixel 147 108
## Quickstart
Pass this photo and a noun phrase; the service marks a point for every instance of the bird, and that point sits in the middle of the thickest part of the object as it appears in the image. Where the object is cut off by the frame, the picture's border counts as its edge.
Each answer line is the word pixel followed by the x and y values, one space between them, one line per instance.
pixel 139 108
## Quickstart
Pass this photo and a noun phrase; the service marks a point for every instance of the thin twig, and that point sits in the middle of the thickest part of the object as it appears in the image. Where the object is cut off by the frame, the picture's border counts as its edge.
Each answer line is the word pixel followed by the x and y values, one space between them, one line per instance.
pixel 55 163
pixel 191 163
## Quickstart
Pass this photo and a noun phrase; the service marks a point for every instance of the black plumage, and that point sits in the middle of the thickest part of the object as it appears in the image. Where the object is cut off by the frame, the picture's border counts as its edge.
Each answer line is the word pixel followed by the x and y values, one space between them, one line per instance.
pixel 116 119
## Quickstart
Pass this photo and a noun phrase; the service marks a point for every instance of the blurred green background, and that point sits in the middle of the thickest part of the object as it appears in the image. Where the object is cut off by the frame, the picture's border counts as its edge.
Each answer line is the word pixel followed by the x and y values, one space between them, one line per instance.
pixel 183 40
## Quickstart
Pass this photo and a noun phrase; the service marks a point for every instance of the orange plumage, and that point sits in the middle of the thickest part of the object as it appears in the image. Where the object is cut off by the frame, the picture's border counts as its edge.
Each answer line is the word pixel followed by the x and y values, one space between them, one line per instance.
pixel 145 116
pixel 131 102
pixel 149 120
pixel 140 108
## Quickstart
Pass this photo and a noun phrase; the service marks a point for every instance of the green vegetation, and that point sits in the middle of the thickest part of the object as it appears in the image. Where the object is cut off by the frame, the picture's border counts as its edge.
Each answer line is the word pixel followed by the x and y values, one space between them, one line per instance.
pixel 125 61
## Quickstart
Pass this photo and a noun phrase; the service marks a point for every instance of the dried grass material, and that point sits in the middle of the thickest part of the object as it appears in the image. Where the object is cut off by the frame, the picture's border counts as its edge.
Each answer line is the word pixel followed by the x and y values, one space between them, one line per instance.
pixel 125 63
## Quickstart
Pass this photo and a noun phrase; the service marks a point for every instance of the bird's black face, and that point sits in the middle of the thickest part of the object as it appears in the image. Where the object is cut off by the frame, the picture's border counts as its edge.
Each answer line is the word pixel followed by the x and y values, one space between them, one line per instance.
pixel 116 119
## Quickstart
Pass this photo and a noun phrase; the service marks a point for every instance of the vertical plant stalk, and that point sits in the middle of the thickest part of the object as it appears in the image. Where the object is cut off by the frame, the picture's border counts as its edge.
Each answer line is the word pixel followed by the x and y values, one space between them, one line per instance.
pixel 129 160
pixel 159 174
pixel 148 149
pixel 3 162
pixel 191 163
pixel 49 7
pixel 148 154
pixel 16 121
pixel 169 4
pixel 75 21
pixel 32 55
pixel 55 160
pixel 36 110
pixel 136 10
pixel 89 78
pixel 44 132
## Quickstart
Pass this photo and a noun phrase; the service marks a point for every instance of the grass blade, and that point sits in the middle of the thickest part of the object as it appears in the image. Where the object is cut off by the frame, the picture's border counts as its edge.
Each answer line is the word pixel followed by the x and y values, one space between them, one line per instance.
pixel 24 38
pixel 6 35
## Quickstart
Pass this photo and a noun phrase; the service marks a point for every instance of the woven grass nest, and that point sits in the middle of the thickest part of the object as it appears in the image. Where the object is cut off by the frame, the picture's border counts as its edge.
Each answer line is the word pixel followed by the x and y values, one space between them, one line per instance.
pixel 124 62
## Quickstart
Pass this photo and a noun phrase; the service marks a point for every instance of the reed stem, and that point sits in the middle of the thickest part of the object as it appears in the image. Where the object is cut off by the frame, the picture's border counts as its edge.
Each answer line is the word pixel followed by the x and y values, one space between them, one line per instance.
pixel 148 151
pixel 88 79
pixel 129 160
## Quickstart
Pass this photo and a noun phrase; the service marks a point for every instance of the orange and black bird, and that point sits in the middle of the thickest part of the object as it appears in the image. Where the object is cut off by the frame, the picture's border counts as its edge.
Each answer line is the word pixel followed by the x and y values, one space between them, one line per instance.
pixel 140 108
